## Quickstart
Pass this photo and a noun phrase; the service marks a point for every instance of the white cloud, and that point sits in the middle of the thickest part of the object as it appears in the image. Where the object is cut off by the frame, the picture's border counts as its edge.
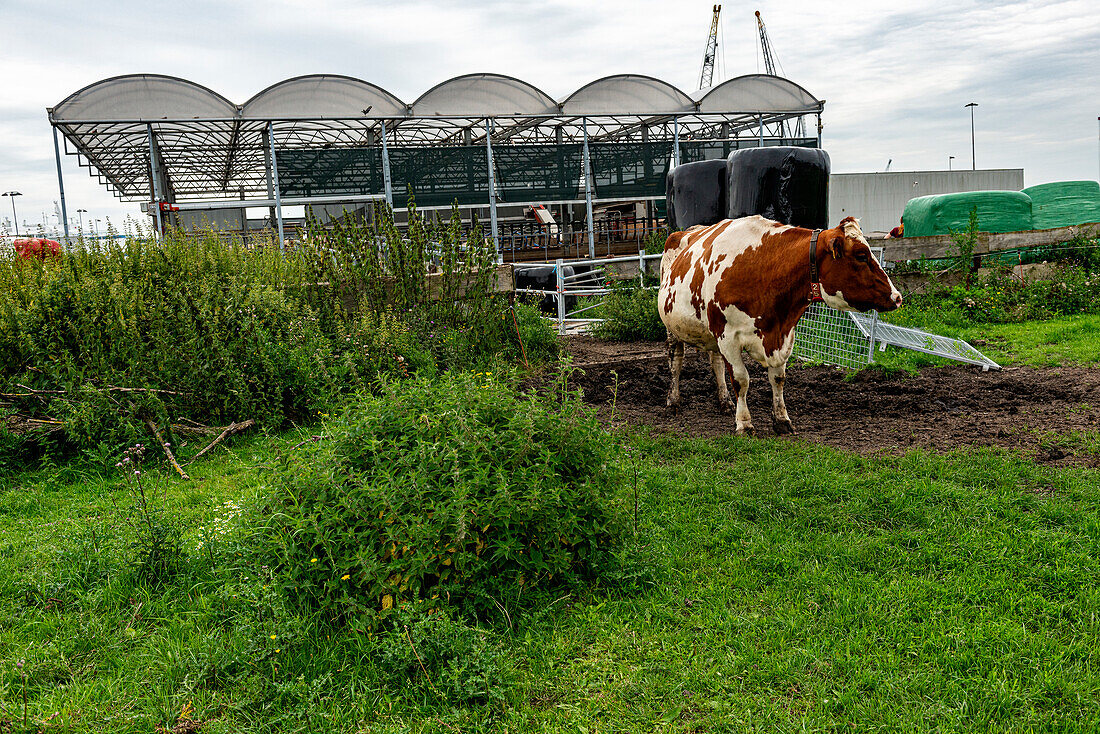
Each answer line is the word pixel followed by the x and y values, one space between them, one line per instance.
pixel 895 76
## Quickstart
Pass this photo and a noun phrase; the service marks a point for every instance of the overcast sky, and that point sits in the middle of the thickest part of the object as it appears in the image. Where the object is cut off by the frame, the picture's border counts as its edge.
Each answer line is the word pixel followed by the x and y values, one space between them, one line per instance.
pixel 895 75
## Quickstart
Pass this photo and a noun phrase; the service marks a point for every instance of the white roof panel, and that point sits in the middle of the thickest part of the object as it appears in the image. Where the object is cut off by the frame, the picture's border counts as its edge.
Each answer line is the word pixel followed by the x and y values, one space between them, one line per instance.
pixel 627 94
pixel 481 95
pixel 321 96
pixel 143 97
pixel 757 93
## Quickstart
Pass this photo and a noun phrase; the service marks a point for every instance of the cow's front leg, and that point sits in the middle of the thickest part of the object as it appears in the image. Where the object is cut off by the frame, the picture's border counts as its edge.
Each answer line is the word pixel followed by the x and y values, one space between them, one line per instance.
pixel 718 366
pixel 675 364
pixel 732 352
pixel 777 376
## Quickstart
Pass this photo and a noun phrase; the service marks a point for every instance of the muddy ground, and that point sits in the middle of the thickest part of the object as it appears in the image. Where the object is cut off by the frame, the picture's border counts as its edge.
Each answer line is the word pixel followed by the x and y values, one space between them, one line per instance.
pixel 1037 411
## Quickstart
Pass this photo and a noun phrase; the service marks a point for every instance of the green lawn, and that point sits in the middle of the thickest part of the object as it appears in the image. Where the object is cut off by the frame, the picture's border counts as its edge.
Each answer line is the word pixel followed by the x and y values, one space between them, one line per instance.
pixel 772 585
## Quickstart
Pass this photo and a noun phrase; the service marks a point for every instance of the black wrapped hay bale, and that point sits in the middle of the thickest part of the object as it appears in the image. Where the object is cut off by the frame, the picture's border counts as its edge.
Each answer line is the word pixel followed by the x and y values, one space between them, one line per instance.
pixel 696 194
pixel 789 185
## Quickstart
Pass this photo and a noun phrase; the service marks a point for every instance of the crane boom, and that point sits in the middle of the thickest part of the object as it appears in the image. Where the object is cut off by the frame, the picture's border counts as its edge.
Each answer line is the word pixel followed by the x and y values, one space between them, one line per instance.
pixel 765 46
pixel 706 77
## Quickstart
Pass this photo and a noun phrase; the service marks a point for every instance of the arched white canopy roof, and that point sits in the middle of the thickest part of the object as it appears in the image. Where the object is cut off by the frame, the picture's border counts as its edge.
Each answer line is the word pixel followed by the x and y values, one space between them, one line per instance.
pixel 143 97
pixel 627 94
pixel 483 95
pixel 757 93
pixel 320 96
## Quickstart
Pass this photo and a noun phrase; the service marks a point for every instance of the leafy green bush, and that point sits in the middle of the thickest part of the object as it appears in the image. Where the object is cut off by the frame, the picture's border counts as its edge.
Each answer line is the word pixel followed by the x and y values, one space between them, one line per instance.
pixel 457 490
pixel 630 313
pixel 1000 297
pixel 194 327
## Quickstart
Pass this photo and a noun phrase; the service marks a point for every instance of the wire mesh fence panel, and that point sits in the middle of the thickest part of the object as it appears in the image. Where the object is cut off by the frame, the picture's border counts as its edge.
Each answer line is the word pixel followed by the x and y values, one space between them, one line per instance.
pixel 922 341
pixel 828 336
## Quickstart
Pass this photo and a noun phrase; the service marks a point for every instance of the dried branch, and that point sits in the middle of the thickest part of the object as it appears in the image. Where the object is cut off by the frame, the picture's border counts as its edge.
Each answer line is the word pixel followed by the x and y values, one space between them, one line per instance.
pixel 167 449
pixel 230 430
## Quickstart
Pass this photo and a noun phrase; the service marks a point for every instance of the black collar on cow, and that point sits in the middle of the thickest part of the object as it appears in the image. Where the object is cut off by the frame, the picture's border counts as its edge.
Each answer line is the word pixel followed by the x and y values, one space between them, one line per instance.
pixel 815 284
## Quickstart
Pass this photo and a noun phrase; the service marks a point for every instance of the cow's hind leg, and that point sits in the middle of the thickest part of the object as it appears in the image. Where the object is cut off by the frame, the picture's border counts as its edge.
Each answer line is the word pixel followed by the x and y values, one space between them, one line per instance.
pixel 675 364
pixel 718 366
pixel 777 376
pixel 731 350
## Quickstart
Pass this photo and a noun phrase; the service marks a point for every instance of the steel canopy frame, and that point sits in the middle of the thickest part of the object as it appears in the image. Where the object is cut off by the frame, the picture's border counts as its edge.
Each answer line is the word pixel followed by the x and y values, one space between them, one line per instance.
pixel 226 157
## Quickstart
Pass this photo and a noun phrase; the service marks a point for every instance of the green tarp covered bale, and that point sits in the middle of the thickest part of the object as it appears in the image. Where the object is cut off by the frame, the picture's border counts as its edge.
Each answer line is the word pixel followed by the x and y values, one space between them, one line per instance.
pixel 998 211
pixel 1064 203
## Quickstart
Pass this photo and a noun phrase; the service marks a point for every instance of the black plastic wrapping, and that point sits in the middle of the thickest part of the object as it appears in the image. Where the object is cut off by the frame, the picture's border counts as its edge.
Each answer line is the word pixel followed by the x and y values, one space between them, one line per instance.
pixel 789 185
pixel 696 194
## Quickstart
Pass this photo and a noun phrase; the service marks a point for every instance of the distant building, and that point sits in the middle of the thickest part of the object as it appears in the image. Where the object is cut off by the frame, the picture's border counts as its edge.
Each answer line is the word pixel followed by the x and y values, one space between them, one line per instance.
pixel 878 199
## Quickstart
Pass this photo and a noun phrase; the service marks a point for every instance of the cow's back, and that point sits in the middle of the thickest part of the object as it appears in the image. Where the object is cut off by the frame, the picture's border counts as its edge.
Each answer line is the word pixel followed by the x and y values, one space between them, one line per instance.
pixel 690 273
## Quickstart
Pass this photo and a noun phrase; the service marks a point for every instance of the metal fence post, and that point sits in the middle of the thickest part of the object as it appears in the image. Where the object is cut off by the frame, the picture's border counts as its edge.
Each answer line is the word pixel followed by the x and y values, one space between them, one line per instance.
pixel 387 182
pixel 588 192
pixel 675 141
pixel 493 191
pixel 153 177
pixel 641 268
pixel 871 346
pixel 61 185
pixel 275 185
pixel 560 295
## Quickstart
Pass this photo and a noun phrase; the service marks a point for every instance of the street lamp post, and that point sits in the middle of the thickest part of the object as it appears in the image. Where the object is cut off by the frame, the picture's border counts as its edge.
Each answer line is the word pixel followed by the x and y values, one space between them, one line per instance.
pixel 973 165
pixel 949 159
pixel 14 217
pixel 80 217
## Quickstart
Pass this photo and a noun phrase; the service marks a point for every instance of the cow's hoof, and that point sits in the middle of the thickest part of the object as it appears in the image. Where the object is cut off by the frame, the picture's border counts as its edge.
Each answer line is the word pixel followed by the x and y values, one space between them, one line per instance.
pixel 746 430
pixel 783 428
pixel 673 408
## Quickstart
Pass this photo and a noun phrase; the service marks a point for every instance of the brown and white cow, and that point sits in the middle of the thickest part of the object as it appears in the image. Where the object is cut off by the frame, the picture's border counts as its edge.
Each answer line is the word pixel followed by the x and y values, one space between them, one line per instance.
pixel 743 284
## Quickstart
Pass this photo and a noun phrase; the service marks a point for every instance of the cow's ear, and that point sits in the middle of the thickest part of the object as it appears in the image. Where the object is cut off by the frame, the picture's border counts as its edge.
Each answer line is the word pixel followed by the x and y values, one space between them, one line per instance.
pixel 836 247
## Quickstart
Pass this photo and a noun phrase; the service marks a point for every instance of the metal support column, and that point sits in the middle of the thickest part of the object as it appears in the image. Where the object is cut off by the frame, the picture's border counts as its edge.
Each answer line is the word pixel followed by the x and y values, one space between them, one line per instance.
pixel 275 184
pixel 61 186
pixel 153 178
pixel 387 182
pixel 559 288
pixel 588 193
pixel 819 129
pixel 267 174
pixel 675 141
pixel 492 190
pixel 760 119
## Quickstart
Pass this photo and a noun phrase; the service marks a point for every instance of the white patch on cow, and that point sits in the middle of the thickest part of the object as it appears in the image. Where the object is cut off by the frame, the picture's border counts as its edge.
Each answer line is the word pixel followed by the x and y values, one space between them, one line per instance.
pixel 836 300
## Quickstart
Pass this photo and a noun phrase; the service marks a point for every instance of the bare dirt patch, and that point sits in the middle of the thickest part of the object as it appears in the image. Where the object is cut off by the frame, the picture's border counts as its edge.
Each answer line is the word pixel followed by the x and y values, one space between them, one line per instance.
pixel 1037 411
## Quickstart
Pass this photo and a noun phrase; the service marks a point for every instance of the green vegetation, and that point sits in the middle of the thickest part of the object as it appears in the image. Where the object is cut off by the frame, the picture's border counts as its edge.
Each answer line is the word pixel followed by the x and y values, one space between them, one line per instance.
pixel 455 491
pixel 630 313
pixel 773 586
pixel 100 342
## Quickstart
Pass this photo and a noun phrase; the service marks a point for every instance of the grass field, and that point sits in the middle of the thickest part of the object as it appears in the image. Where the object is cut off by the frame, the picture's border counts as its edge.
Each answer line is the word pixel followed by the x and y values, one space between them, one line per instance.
pixel 771 586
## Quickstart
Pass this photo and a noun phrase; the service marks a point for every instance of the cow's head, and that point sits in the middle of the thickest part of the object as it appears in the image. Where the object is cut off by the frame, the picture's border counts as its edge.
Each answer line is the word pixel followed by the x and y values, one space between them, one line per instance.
pixel 851 277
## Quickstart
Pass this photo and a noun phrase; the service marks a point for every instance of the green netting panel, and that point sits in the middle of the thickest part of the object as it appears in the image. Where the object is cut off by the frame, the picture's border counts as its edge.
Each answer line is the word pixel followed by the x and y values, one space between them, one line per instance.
pixel 998 211
pixel 440 175
pixel 1064 203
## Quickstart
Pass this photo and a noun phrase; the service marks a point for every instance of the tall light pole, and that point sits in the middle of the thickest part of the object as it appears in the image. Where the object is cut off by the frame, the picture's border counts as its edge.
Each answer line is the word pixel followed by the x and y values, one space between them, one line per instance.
pixel 973 165
pixel 80 217
pixel 13 194
pixel 949 159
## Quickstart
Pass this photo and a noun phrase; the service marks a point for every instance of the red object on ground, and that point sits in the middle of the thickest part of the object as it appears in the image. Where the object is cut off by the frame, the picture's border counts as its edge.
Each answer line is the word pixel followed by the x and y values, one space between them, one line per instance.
pixel 31 248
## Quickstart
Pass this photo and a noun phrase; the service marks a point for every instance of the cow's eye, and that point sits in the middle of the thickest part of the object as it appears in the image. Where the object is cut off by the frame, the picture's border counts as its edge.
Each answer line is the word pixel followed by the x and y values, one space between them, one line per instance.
pixel 863 257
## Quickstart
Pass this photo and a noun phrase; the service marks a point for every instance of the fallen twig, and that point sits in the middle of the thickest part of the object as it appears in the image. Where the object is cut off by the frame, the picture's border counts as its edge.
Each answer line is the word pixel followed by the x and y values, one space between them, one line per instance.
pixel 311 439
pixel 230 430
pixel 167 449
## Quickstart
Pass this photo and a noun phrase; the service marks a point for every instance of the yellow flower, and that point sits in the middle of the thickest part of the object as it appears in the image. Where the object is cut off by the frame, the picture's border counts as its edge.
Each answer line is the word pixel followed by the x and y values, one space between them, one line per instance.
pixel 313 560
pixel 273 637
pixel 345 577
pixel 276 649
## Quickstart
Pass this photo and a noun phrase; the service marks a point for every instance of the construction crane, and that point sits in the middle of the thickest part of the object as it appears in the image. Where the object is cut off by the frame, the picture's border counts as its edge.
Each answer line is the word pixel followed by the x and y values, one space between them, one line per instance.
pixel 706 77
pixel 765 46
pixel 769 67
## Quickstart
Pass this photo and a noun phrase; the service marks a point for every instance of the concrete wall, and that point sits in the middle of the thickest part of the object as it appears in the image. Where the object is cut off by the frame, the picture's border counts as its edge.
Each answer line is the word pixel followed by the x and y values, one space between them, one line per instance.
pixel 878 199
